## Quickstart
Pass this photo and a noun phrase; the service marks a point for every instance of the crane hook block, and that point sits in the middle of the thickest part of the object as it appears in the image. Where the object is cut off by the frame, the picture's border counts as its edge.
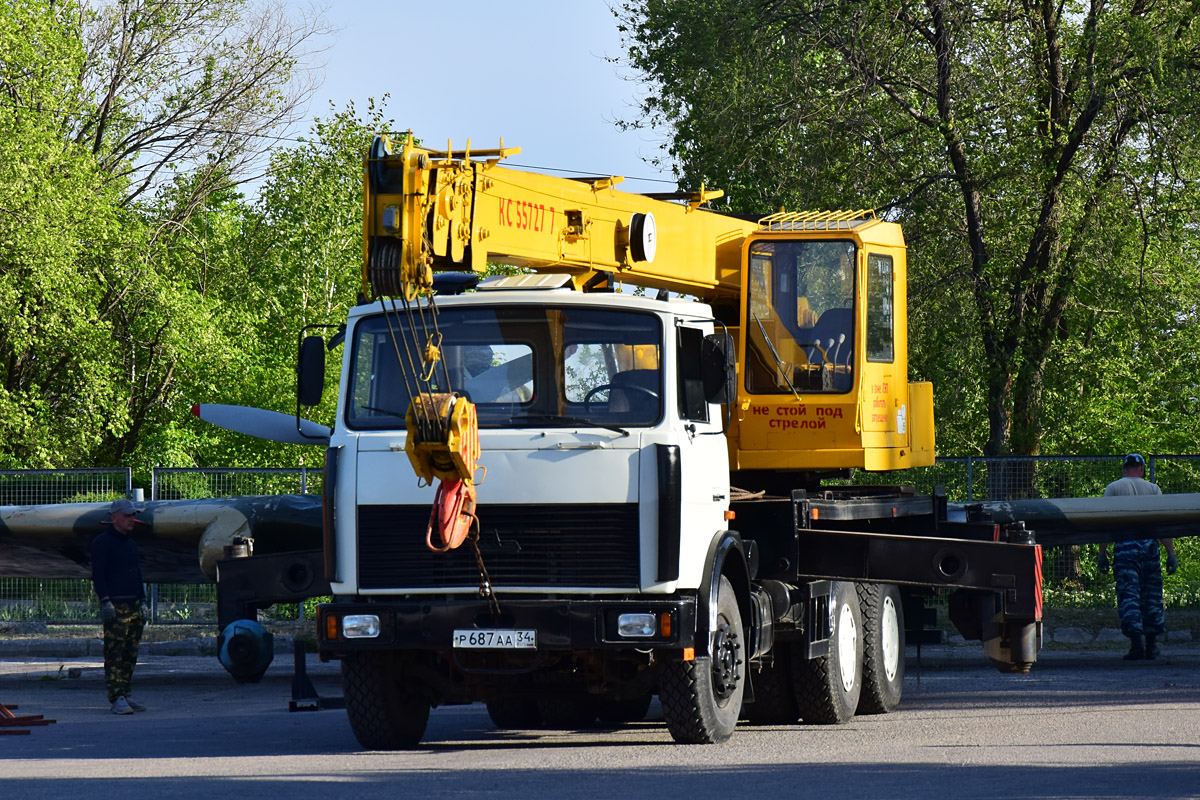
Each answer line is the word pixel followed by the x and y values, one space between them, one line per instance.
pixel 443 437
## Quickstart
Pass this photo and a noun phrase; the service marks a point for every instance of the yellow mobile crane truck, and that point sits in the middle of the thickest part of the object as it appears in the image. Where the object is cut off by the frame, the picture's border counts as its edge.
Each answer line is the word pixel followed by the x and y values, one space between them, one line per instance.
pixel 634 486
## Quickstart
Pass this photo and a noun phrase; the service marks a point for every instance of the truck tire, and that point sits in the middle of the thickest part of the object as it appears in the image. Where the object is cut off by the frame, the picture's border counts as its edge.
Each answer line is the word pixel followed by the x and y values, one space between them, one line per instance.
pixel 883 648
pixel 513 713
pixel 384 711
pixel 702 699
pixel 828 688
pixel 774 699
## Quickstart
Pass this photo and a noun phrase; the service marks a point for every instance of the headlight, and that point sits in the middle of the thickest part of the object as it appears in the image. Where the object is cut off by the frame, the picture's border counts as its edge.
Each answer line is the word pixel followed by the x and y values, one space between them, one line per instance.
pixel 360 626
pixel 636 625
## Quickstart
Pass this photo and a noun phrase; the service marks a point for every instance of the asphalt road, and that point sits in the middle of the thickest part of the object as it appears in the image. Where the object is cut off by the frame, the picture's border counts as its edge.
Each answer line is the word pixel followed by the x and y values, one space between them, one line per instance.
pixel 1082 725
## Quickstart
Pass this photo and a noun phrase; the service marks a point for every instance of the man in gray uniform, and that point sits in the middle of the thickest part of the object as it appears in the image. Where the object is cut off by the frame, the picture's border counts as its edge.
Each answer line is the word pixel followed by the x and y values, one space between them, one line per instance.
pixel 1137 568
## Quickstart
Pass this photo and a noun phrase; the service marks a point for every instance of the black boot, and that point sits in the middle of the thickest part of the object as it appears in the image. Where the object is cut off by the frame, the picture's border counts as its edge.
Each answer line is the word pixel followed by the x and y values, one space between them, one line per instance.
pixel 1136 649
pixel 1151 650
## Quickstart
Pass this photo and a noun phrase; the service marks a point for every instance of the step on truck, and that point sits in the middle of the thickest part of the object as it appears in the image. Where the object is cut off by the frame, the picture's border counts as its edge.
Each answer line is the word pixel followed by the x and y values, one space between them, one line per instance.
pixel 619 471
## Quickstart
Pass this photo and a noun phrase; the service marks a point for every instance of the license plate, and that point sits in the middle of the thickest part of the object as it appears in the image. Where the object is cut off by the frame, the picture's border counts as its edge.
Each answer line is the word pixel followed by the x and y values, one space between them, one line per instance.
pixel 495 639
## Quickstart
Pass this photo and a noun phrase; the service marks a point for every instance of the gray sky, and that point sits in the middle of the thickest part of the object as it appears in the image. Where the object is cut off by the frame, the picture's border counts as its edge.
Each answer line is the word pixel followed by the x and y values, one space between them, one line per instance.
pixel 531 71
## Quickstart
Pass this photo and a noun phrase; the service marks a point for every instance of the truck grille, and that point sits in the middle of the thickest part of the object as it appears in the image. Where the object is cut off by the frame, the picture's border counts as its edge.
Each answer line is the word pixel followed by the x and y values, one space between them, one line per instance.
pixel 593 545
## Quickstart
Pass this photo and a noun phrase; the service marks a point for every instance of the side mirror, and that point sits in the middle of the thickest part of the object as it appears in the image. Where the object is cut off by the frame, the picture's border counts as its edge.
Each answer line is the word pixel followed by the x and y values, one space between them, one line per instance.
pixel 717 372
pixel 310 371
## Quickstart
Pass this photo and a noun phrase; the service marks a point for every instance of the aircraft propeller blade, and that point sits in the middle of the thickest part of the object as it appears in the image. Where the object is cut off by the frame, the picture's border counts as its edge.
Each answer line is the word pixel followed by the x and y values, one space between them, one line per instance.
pixel 262 424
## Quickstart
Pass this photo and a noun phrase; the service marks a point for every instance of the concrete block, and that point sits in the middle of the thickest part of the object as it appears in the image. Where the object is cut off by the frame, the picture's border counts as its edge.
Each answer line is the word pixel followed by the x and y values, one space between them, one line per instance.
pixel 1072 636
pixel 57 648
pixel 1179 636
pixel 182 647
pixel 14 648
pixel 1110 635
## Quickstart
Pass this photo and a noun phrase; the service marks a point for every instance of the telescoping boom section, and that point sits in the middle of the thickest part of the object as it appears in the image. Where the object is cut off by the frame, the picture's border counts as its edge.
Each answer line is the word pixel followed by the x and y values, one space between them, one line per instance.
pixel 816 302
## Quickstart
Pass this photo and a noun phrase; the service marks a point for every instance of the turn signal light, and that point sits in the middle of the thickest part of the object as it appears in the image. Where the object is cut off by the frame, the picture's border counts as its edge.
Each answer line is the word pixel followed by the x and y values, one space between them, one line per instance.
pixel 331 627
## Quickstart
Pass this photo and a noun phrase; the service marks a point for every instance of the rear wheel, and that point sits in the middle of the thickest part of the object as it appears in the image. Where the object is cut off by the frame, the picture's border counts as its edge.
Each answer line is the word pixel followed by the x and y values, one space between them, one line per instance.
pixel 386 711
pixel 828 688
pixel 883 648
pixel 702 699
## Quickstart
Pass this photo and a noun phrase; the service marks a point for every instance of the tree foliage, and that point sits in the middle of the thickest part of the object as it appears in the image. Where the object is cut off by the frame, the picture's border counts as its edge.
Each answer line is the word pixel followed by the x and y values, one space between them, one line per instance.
pixel 196 88
pixel 125 252
pixel 59 227
pixel 1042 157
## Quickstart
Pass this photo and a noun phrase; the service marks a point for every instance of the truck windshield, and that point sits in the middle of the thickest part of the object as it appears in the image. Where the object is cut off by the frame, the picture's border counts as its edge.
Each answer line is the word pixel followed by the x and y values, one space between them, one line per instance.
pixel 800 330
pixel 523 366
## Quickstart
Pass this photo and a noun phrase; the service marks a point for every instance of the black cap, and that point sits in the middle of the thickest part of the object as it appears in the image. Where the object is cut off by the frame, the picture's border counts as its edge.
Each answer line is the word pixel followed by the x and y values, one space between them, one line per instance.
pixel 1133 460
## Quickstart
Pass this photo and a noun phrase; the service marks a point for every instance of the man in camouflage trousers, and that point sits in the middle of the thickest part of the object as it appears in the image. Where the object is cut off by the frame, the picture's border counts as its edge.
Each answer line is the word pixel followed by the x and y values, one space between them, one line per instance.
pixel 1138 569
pixel 117 577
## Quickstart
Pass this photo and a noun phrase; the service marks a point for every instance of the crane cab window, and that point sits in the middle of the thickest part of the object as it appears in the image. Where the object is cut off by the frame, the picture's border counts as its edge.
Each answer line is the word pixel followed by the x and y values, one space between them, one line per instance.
pixel 800 331
pixel 880 317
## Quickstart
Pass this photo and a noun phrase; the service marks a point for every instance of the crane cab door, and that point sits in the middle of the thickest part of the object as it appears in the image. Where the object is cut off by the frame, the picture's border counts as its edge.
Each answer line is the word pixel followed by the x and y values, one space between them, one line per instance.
pixel 884 397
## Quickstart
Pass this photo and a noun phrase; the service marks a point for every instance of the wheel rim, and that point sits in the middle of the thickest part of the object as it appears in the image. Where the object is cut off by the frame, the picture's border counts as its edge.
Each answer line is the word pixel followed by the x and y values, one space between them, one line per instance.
pixel 726 649
pixel 847 644
pixel 890 639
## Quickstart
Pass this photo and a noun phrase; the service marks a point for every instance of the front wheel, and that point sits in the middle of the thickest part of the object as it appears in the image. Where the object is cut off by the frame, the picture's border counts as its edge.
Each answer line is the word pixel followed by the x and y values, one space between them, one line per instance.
pixel 883 648
pixel 701 699
pixel 386 711
pixel 828 688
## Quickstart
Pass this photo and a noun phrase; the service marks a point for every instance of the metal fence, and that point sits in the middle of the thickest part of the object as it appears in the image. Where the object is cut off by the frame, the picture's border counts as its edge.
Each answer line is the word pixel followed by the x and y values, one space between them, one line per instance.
pixel 1070 572
pixel 171 483
pixel 35 487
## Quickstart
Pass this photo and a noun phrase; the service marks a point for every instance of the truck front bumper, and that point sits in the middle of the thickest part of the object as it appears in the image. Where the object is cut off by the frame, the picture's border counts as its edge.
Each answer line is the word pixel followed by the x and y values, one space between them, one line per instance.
pixel 428 624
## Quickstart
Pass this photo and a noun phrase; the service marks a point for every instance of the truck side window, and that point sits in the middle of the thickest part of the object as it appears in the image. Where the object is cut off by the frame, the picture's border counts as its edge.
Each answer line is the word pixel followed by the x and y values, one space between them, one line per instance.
pixel 692 404
pixel 879 308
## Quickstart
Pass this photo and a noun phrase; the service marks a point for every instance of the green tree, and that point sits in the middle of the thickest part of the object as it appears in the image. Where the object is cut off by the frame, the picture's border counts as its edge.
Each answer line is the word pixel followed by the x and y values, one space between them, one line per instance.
pixel 260 271
pixel 171 88
pixel 1043 158
pixel 123 257
pixel 59 224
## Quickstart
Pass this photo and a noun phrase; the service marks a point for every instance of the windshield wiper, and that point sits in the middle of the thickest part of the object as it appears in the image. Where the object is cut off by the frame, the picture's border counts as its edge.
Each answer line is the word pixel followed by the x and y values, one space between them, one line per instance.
pixel 775 355
pixel 568 421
